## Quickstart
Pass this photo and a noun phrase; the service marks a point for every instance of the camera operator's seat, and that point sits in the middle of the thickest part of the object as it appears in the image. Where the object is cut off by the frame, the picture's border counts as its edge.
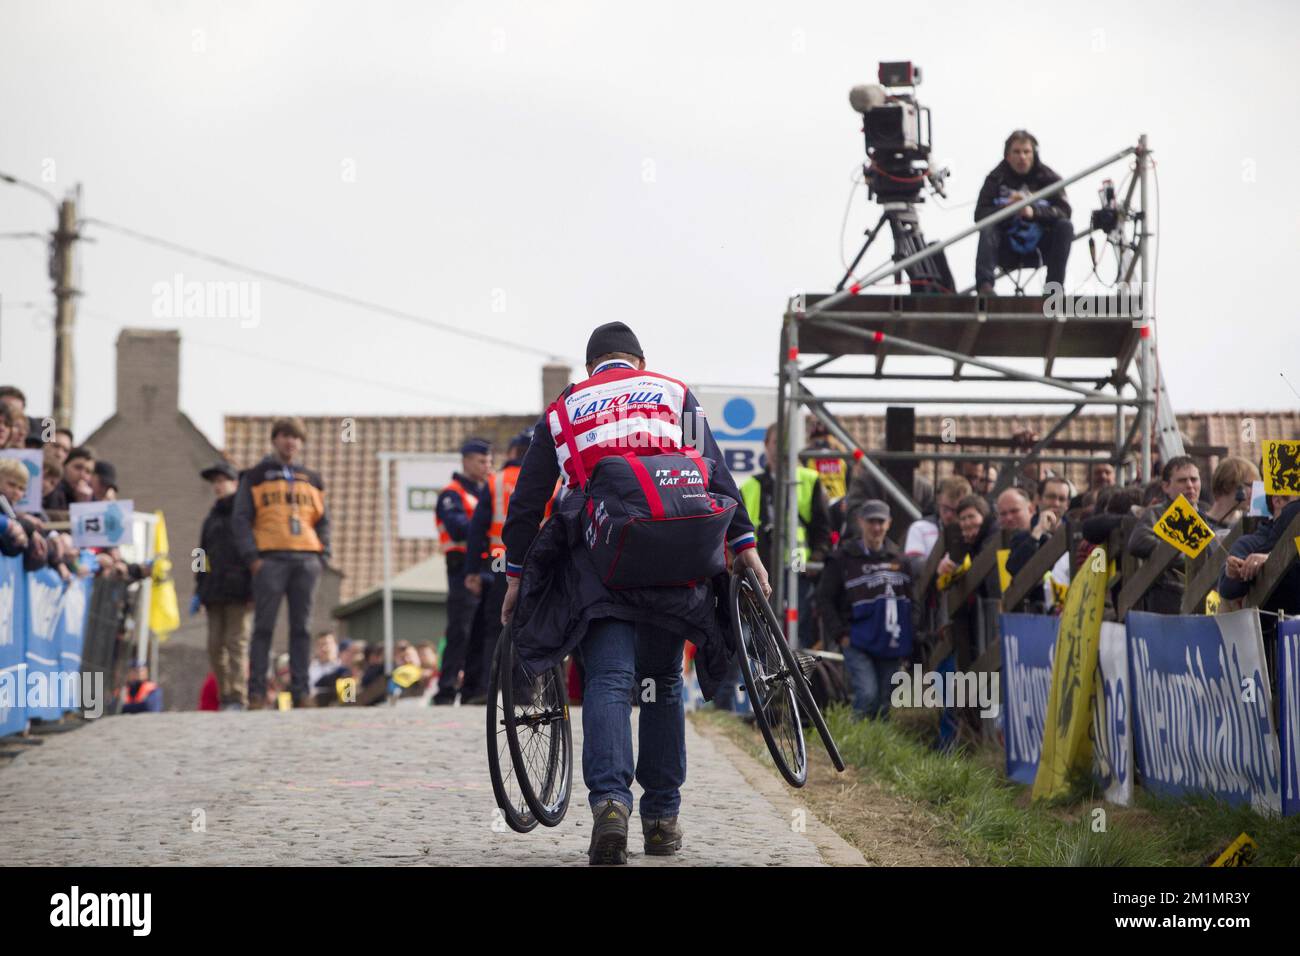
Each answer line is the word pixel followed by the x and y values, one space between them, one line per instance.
pixel 1014 265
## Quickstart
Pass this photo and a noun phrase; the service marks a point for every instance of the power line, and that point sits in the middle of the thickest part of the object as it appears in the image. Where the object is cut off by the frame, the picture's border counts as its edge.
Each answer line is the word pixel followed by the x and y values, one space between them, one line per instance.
pixel 333 374
pixel 24 184
pixel 316 290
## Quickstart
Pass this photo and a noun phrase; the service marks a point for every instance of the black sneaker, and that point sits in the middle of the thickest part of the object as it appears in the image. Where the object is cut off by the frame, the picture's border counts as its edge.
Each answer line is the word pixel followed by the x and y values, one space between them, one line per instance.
pixel 608 834
pixel 662 837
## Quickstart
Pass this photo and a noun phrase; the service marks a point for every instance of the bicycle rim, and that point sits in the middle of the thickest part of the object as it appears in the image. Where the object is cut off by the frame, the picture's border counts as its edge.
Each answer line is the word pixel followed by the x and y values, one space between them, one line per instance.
pixel 505 785
pixel 541 741
pixel 769 683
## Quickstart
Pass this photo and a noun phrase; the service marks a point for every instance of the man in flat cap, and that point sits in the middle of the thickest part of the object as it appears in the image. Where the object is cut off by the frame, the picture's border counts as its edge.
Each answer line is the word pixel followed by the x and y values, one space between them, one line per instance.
pixel 455 508
pixel 630 638
pixel 865 599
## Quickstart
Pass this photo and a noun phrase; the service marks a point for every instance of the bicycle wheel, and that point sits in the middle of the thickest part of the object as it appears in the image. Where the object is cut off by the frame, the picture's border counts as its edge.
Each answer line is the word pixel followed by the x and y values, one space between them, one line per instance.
pixel 768 680
pixel 505 784
pixel 540 739
pixel 803 689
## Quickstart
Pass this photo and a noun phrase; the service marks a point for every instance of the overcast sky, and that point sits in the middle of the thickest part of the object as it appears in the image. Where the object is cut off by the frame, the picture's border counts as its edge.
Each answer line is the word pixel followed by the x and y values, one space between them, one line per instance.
pixel 529 170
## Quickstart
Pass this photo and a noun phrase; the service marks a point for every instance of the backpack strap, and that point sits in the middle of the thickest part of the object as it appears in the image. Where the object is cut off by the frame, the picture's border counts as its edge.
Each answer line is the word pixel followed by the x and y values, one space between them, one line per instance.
pixel 642 475
pixel 571 439
pixel 694 455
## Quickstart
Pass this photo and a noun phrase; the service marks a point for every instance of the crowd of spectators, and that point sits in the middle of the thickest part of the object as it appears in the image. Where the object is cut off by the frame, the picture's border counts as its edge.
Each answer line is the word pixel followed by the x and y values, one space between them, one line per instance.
pixel 969 507
pixel 32 519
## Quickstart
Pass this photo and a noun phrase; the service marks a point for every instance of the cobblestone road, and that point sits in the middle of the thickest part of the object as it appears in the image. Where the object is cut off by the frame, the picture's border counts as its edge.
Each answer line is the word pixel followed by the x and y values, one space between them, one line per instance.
pixel 379 785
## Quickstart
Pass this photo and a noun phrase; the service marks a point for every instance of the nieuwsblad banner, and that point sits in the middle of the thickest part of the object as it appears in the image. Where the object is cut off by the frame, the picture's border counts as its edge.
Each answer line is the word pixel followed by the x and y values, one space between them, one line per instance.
pixel 1112 719
pixel 44 606
pixel 1202 709
pixel 1028 644
pixel 1288 708
pixel 13 661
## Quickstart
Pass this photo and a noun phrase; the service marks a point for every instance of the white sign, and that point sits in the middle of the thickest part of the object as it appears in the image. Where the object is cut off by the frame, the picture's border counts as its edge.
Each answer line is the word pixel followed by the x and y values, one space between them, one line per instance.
pixel 33 459
pixel 738 418
pixel 419 483
pixel 1258 500
pixel 101 524
pixel 1112 730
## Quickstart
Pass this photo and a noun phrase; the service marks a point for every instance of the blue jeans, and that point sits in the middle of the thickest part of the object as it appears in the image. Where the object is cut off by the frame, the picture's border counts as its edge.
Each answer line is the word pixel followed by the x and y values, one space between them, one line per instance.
pixel 869 681
pixel 619 658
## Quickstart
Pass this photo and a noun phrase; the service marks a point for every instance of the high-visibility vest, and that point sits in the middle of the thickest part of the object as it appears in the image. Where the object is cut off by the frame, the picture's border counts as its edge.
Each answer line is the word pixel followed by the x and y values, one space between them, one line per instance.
pixel 469 502
pixel 751 492
pixel 141 694
pixel 501 485
pixel 500 491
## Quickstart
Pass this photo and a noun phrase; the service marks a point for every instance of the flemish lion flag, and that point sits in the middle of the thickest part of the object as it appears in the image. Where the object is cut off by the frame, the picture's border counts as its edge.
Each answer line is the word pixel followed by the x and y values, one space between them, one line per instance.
pixel 1066 745
pixel 1282 467
pixel 164 612
pixel 1182 527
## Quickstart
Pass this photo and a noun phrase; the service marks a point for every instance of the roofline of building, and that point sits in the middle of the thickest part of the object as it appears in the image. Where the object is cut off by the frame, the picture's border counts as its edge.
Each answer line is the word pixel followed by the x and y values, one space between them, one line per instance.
pixel 376 595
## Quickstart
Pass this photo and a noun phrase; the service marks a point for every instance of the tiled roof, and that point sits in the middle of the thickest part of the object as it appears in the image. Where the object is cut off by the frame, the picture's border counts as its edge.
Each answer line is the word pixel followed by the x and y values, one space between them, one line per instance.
pixel 350 469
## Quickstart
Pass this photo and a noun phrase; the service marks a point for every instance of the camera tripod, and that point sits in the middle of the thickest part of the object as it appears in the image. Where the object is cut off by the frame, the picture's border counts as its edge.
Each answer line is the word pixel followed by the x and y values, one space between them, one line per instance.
pixel 928 275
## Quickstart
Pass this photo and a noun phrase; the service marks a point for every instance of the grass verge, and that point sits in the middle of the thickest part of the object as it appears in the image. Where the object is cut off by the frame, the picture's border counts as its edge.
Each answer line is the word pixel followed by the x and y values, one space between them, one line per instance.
pixel 991 820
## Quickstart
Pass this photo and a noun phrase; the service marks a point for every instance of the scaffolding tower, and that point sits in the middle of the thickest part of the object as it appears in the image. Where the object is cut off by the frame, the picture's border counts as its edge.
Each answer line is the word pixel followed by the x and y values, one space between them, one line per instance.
pixel 973 332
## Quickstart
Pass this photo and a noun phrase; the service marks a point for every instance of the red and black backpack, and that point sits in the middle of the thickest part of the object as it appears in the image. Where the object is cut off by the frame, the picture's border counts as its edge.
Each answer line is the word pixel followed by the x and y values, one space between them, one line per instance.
pixel 650 520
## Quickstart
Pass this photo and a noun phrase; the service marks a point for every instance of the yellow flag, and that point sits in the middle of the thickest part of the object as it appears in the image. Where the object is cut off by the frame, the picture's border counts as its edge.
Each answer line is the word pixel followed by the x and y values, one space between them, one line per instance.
pixel 1004 576
pixel 1212 601
pixel 1240 852
pixel 1059 590
pixel 1182 527
pixel 1282 467
pixel 406 675
pixel 164 612
pixel 1066 745
pixel 945 580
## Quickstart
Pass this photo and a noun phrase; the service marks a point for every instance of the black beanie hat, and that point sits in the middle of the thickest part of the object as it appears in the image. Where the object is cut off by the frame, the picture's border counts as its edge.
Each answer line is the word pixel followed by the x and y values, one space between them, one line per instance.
pixel 613 337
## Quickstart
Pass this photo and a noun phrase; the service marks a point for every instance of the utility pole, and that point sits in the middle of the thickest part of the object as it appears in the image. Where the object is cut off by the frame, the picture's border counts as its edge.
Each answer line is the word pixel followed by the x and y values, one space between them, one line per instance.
pixel 62 273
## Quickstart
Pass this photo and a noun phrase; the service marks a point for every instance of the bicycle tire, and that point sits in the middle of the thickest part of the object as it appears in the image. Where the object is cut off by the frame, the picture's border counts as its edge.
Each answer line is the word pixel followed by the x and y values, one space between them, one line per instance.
pixel 767 681
pixel 802 688
pixel 546 783
pixel 505 787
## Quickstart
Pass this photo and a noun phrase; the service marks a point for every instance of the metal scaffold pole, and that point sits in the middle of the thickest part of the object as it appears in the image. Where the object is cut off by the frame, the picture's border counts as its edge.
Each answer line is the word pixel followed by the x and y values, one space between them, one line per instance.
pixel 790 568
pixel 1145 370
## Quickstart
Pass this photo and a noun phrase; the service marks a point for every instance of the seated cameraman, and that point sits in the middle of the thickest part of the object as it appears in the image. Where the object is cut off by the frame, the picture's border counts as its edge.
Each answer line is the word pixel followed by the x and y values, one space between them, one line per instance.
pixel 1041 233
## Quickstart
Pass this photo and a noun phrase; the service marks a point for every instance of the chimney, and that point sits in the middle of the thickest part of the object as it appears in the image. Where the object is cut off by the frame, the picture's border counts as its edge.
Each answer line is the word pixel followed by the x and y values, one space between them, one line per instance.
pixel 555 375
pixel 148 374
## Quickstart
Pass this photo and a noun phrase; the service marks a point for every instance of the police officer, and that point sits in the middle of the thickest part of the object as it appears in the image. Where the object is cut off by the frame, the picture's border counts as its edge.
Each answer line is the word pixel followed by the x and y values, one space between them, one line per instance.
pixel 485 565
pixel 630 639
pixel 455 507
